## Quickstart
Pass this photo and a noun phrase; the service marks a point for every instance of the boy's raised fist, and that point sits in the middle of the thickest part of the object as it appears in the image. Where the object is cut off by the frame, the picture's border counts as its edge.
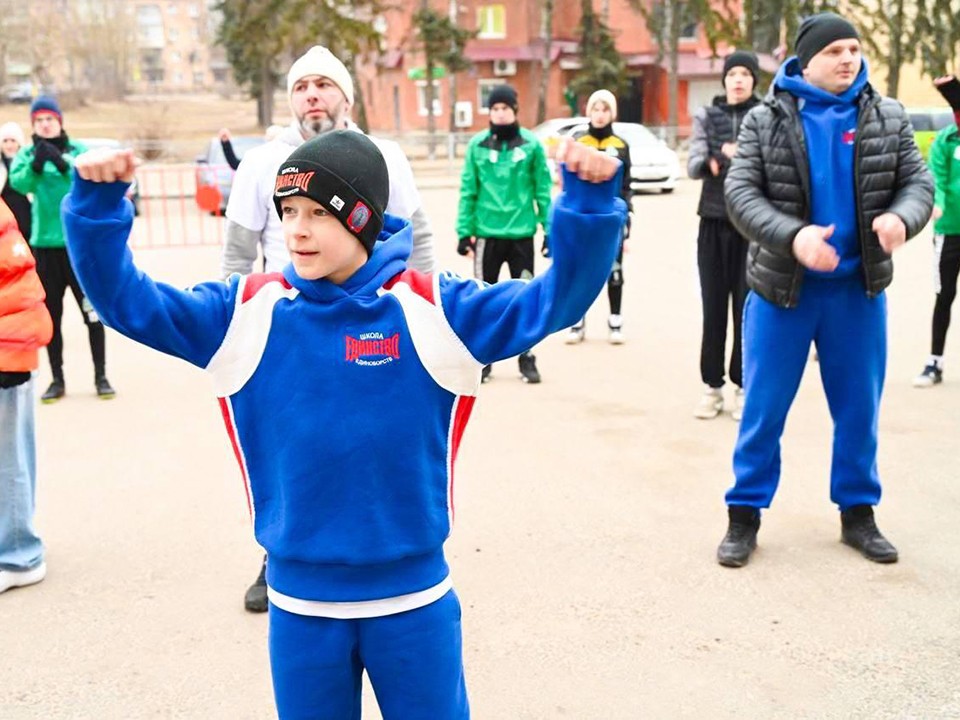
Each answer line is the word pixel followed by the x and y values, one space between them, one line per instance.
pixel 588 164
pixel 106 166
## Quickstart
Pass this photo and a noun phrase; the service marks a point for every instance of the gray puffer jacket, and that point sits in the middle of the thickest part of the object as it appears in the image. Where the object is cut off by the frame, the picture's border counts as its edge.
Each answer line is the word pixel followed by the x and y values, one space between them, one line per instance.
pixel 768 189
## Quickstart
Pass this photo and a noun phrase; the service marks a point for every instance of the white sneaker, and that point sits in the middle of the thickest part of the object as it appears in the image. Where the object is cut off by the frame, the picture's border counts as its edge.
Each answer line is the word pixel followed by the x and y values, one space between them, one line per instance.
pixel 22 578
pixel 574 335
pixel 738 399
pixel 710 405
pixel 616 336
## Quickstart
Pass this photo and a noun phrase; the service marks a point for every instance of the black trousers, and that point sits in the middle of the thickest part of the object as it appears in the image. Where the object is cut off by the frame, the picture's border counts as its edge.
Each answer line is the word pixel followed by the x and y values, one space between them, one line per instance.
pixel 722 261
pixel 947 259
pixel 56 274
pixel 491 253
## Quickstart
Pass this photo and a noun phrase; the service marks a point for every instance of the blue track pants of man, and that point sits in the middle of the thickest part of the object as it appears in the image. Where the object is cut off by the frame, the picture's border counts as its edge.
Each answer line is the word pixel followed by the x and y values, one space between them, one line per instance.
pixel 849 330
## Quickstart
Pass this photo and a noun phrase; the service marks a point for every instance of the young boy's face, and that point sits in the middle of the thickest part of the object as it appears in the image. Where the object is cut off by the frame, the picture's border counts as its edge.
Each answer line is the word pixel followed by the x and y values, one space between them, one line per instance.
pixel 502 114
pixel 47 125
pixel 600 115
pixel 320 247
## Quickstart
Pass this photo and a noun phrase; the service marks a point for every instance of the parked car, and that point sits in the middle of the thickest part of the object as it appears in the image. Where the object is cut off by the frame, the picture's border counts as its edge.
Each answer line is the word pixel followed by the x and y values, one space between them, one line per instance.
pixel 653 166
pixel 214 176
pixel 21 92
pixel 96 143
pixel 927 122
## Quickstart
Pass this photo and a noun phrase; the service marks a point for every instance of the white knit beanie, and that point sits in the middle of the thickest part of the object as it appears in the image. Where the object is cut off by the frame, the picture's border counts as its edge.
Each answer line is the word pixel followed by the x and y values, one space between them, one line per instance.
pixel 320 61
pixel 604 96
pixel 12 130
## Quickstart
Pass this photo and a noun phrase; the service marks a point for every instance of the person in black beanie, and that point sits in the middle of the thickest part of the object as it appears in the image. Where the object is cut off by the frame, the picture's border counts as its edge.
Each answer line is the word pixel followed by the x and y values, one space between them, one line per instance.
pixel 721 250
pixel 45 171
pixel 826 184
pixel 504 196
pixel 345 383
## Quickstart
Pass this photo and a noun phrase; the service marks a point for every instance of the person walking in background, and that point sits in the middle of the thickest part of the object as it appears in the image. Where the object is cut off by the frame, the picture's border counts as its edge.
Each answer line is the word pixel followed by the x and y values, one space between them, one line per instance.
pixel 945 165
pixel 11 141
pixel 823 217
pixel 320 92
pixel 25 327
pixel 602 111
pixel 504 196
pixel 44 170
pixel 721 250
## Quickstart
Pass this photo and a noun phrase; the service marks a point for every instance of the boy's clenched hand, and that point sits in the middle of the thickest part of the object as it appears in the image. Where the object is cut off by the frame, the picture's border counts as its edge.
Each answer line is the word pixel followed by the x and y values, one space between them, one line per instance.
pixel 589 164
pixel 106 166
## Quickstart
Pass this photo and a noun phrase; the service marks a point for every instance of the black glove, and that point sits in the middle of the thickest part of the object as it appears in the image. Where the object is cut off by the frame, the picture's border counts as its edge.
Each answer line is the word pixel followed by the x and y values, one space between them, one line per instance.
pixel 42 151
pixel 465 245
pixel 951 92
pixel 545 247
pixel 58 162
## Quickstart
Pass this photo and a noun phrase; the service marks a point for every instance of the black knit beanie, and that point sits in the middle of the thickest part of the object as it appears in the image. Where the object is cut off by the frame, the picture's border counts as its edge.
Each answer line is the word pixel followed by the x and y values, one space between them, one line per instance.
pixel 741 58
pixel 818 31
pixel 951 92
pixel 343 171
pixel 503 94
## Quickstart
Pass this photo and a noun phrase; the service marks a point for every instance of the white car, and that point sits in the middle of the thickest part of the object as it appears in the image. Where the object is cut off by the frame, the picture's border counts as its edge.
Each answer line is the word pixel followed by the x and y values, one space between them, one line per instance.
pixel 653 166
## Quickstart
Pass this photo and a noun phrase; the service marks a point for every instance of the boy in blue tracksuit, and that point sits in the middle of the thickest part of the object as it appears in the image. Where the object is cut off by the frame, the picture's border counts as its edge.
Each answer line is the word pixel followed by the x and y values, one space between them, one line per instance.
pixel 349 471
pixel 827 183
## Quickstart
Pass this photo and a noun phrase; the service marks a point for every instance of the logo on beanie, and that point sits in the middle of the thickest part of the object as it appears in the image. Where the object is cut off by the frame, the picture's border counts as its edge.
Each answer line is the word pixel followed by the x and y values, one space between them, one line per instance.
pixel 291 182
pixel 359 217
pixel 337 203
pixel 372 348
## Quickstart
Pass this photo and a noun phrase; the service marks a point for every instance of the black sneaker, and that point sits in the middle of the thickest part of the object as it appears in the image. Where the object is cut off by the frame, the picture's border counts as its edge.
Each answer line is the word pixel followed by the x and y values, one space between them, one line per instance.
pixel 859 531
pixel 104 390
pixel 485 375
pixel 931 375
pixel 53 393
pixel 528 368
pixel 255 600
pixel 741 538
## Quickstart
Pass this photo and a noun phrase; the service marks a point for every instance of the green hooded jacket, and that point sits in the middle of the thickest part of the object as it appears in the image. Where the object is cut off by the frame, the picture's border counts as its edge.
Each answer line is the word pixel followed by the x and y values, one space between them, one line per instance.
pixel 48 189
pixel 945 165
pixel 505 187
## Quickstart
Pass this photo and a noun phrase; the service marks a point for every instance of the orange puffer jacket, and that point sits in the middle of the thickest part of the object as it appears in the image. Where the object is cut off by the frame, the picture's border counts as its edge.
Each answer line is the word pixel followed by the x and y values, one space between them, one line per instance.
pixel 25 324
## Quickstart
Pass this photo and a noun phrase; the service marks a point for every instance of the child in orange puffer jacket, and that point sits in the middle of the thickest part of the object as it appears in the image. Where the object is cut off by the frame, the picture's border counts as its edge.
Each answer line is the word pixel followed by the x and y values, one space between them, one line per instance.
pixel 25 327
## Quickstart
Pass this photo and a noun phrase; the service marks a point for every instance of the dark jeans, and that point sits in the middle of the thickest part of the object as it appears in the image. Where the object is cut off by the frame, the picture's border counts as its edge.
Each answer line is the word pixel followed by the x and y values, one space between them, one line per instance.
pixel 722 261
pixel 947 259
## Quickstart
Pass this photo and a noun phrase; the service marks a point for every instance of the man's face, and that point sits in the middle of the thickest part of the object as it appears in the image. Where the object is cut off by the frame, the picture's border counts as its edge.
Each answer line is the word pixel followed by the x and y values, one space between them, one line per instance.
pixel 600 115
pixel 10 147
pixel 319 105
pixel 502 114
pixel 739 84
pixel 835 67
pixel 47 125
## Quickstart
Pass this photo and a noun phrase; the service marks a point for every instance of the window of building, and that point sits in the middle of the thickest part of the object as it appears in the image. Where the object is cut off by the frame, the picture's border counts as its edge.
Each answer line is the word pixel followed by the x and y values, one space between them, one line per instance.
pixel 483 94
pixel 172 8
pixel 422 98
pixel 198 78
pixel 150 26
pixel 175 56
pixel 178 78
pixel 491 21
pixel 193 10
pixel 689 31
pixel 173 35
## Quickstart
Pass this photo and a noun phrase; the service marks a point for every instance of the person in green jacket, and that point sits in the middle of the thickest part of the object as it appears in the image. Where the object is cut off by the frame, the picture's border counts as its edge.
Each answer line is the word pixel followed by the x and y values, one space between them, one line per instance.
pixel 504 196
pixel 945 163
pixel 45 170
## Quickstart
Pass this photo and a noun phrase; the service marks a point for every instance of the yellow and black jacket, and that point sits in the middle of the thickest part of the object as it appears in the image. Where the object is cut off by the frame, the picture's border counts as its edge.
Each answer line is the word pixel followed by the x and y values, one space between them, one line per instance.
pixel 604 140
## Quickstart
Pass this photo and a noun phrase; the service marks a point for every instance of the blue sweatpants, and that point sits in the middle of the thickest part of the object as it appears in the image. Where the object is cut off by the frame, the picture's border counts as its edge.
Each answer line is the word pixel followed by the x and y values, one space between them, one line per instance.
pixel 849 330
pixel 414 660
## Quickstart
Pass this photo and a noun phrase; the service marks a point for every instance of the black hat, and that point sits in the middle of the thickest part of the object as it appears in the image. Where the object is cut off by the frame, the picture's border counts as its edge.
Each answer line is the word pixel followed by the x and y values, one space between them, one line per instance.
pixel 741 58
pixel 818 31
pixel 343 171
pixel 503 94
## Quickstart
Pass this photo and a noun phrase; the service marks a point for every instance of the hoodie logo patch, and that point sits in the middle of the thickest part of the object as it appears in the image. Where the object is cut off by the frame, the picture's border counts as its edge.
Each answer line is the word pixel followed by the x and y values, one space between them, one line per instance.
pixel 372 348
pixel 359 217
pixel 848 136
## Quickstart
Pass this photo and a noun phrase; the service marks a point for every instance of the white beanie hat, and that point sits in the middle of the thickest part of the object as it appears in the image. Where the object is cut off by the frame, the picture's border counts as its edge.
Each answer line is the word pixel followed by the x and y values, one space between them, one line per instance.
pixel 320 61
pixel 604 96
pixel 12 130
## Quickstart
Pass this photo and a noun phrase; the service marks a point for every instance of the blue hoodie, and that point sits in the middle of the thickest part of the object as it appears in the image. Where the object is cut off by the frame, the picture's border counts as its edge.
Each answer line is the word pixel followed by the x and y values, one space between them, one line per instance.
pixel 830 128
pixel 345 404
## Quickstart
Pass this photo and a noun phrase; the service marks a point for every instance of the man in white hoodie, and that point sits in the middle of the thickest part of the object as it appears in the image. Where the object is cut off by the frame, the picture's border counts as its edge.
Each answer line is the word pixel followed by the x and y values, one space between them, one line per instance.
pixel 320 91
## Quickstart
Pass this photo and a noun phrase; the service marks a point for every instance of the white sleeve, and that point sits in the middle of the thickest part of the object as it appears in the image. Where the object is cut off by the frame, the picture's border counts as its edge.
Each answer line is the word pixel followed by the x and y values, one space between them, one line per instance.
pixel 245 206
pixel 404 196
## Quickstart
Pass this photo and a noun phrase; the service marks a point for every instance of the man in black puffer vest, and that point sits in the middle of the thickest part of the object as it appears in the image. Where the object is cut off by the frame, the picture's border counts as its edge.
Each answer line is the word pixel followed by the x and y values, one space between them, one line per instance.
pixel 721 250
pixel 827 182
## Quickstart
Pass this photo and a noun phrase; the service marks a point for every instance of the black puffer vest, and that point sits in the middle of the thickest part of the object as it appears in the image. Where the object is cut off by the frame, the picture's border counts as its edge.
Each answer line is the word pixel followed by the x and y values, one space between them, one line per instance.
pixel 722 125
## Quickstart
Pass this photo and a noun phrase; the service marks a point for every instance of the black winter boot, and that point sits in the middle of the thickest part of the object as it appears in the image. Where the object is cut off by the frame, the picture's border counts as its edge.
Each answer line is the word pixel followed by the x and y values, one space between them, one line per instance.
pixel 255 599
pixel 741 538
pixel 105 390
pixel 859 531
pixel 53 393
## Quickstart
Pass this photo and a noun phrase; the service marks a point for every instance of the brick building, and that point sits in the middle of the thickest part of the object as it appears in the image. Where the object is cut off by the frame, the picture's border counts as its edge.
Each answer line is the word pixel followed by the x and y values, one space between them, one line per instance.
pixel 510 48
